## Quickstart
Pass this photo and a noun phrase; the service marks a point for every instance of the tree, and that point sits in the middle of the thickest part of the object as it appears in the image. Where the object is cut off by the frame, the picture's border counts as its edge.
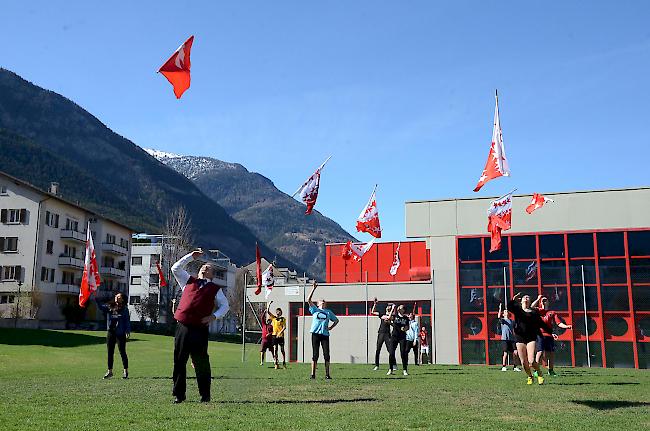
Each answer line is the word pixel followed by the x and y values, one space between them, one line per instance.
pixel 148 308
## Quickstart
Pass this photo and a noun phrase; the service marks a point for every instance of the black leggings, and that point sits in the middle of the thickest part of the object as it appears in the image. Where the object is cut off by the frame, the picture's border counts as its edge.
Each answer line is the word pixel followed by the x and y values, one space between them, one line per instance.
pixel 410 346
pixel 381 340
pixel 403 350
pixel 111 339
pixel 318 340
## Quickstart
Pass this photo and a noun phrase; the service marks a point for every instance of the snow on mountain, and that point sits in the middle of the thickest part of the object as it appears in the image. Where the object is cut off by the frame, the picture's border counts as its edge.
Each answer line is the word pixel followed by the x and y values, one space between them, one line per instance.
pixel 161 154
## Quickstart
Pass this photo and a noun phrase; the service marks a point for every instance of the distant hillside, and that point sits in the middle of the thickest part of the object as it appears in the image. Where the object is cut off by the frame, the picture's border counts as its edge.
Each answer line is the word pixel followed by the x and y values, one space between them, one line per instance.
pixel 46 137
pixel 270 214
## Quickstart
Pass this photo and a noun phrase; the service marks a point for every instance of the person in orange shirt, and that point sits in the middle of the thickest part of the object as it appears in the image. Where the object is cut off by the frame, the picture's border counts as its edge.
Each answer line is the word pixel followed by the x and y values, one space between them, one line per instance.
pixel 279 326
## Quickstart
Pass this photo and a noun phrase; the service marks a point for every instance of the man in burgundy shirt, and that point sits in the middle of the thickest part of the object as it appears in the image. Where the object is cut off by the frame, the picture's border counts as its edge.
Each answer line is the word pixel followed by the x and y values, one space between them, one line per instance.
pixel 546 340
pixel 195 312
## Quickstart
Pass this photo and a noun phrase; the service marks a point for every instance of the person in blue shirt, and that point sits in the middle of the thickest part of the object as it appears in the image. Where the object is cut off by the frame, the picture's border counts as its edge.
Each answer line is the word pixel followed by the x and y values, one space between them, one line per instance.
pixel 118 327
pixel 320 331
pixel 412 336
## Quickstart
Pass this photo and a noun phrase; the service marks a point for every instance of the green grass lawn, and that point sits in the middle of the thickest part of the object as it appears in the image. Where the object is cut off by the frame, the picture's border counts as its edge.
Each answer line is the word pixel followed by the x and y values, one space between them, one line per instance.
pixel 52 380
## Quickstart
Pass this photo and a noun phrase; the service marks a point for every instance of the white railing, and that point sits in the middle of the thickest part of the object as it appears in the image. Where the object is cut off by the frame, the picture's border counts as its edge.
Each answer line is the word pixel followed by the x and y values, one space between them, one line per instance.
pixel 114 248
pixel 71 262
pixel 73 235
pixel 113 272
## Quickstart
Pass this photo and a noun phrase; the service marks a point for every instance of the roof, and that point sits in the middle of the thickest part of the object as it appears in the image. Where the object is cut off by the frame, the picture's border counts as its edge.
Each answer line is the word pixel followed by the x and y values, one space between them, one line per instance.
pixel 53 196
pixel 628 189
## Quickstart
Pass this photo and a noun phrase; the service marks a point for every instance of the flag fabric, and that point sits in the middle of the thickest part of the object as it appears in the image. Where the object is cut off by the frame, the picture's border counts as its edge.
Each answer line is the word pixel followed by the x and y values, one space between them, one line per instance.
pixel 177 68
pixel 355 251
pixel 537 202
pixel 531 271
pixel 497 163
pixel 268 281
pixel 395 266
pixel 90 280
pixel 499 219
pixel 161 276
pixel 309 191
pixel 368 220
pixel 258 272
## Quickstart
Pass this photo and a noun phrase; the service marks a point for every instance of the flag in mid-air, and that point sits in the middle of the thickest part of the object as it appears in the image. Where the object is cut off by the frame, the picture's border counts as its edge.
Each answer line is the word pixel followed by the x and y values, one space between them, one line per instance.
pixel 395 266
pixel 258 269
pixel 268 281
pixel 161 276
pixel 177 68
pixel 309 190
pixel 537 202
pixel 90 280
pixel 531 271
pixel 497 164
pixel 368 220
pixel 355 251
pixel 499 218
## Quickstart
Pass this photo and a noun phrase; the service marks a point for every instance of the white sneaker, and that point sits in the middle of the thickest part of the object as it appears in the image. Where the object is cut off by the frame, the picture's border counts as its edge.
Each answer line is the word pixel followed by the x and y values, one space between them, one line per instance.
pixel 375 369
pixel 504 369
pixel 405 373
pixel 389 372
pixel 516 369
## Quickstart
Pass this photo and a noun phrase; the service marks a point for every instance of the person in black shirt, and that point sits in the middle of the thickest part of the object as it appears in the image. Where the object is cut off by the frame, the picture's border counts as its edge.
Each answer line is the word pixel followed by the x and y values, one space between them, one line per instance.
pixel 383 334
pixel 118 329
pixel 528 324
pixel 398 338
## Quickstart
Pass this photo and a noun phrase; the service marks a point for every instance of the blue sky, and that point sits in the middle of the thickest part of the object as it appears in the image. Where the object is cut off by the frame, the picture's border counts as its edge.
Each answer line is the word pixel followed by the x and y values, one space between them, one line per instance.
pixel 400 93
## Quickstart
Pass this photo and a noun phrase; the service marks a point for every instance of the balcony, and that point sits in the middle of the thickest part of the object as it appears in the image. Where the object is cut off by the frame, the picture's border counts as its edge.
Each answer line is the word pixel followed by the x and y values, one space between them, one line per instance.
pixel 67 288
pixel 114 249
pixel 73 235
pixel 108 271
pixel 71 262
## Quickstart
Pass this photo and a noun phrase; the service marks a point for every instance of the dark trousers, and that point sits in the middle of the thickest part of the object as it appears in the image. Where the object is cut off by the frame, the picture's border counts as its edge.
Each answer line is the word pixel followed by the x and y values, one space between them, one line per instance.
pixel 111 339
pixel 416 352
pixel 191 341
pixel 403 350
pixel 382 338
pixel 318 340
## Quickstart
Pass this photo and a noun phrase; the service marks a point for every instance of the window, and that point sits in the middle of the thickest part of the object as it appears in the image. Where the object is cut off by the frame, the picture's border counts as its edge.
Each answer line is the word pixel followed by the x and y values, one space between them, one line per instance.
pixel 71 224
pixel 11 272
pixel 498 254
pixel 153 298
pixel 124 243
pixel 7 299
pixel 108 262
pixel 155 258
pixel 154 279
pixel 8 244
pixel 551 246
pixel 47 274
pixel 581 244
pixel 612 271
pixel 136 279
pixel 69 251
pixel 121 265
pixel 610 244
pixel 553 272
pixel 134 300
pixel 13 216
pixel 639 243
pixel 136 260
pixel 51 219
pixel 3 191
pixel 67 277
pixel 110 239
pixel 469 249
pixel 49 247
pixel 524 247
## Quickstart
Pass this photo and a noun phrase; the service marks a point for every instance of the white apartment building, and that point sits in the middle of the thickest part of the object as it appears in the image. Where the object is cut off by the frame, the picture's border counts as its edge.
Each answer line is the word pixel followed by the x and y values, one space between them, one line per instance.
pixel 144 281
pixel 42 247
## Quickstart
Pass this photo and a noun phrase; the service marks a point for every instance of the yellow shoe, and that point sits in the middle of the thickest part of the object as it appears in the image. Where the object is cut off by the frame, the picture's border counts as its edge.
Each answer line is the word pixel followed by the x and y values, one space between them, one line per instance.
pixel 529 381
pixel 540 380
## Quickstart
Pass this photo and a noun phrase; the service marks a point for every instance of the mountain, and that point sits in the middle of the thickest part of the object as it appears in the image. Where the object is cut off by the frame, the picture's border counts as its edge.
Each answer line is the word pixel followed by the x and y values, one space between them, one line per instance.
pixel 46 137
pixel 254 201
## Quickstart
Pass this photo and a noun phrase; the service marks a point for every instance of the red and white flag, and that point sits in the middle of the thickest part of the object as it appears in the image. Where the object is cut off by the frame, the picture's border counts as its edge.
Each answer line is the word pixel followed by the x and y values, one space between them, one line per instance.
pixel 355 251
pixel 309 190
pixel 177 68
pixel 499 219
pixel 90 280
pixel 161 276
pixel 268 281
pixel 497 163
pixel 258 269
pixel 368 220
pixel 537 202
pixel 395 266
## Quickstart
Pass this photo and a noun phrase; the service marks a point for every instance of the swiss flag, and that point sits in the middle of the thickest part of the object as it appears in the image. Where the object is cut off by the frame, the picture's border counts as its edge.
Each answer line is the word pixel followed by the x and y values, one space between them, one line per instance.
pixel 268 281
pixel 309 191
pixel 499 219
pixel 90 280
pixel 258 273
pixel 497 164
pixel 395 266
pixel 161 276
pixel 355 251
pixel 368 220
pixel 177 68
pixel 537 202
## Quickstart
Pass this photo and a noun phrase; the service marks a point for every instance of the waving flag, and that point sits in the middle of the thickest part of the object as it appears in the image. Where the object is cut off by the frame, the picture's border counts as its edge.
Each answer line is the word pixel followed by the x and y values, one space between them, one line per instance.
pixel 268 281
pixel 368 220
pixel 90 280
pixel 497 164
pixel 395 266
pixel 499 218
pixel 537 202
pixel 177 68
pixel 161 276
pixel 309 190
pixel 258 268
pixel 355 251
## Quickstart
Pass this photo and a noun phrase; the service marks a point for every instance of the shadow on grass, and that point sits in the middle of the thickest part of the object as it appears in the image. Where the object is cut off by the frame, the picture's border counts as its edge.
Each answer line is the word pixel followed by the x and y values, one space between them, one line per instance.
pixel 44 337
pixel 609 404
pixel 333 401
pixel 596 383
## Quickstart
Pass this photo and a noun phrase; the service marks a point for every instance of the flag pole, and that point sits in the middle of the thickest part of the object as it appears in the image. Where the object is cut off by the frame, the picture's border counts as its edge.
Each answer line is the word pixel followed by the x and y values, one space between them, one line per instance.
pixel 319 169
pixel 304 288
pixel 505 290
pixel 367 323
pixel 584 303
pixel 510 192
pixel 243 324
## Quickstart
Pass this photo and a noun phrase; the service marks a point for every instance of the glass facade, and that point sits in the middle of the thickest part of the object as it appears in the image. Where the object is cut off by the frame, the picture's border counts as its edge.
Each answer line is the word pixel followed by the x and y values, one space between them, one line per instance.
pixel 615 268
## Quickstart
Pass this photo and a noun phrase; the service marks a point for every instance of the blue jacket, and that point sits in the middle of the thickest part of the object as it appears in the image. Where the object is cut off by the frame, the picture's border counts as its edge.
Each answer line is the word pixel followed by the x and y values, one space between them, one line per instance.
pixel 118 320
